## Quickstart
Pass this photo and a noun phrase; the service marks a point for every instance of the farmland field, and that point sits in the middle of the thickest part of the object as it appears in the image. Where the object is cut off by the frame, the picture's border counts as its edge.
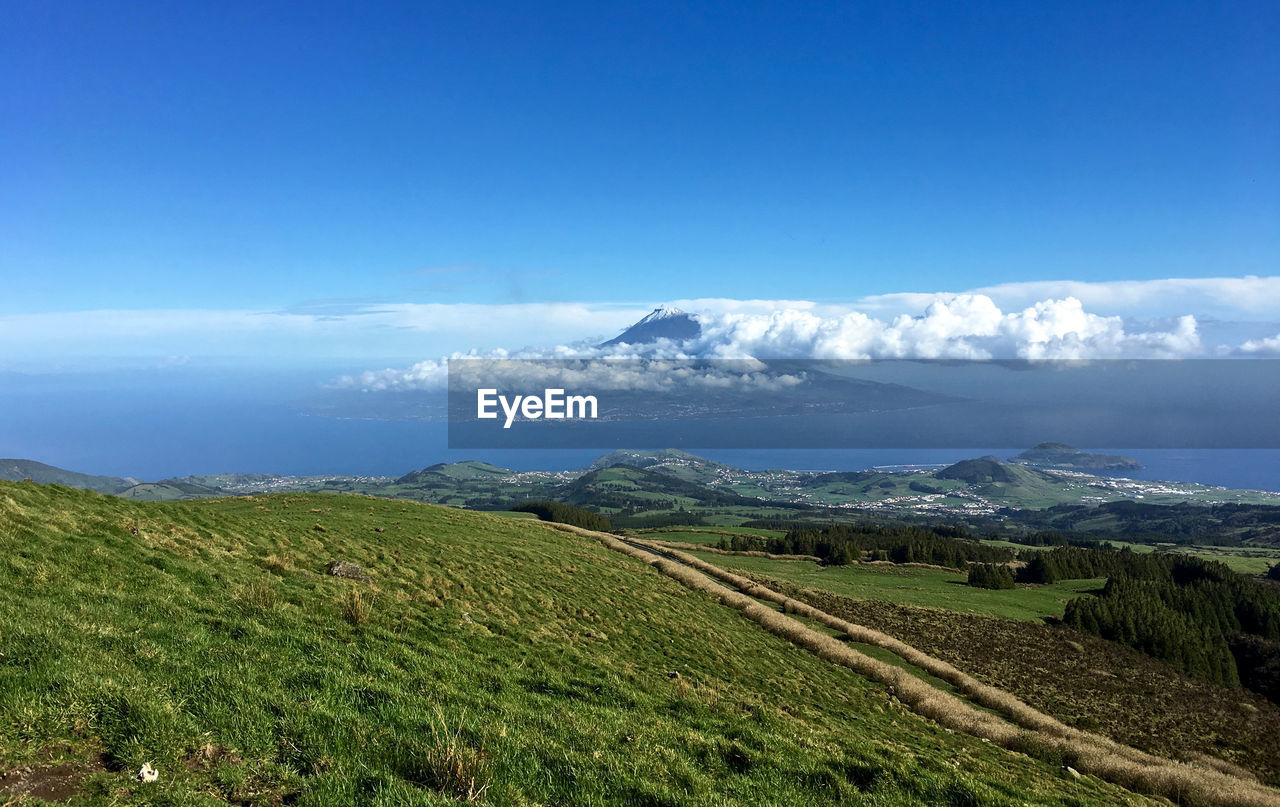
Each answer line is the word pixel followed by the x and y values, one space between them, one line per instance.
pixel 914 585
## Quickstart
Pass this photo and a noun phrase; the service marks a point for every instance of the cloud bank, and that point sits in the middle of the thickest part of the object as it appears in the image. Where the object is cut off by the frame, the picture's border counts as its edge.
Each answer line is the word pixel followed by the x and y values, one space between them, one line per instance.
pixel 1246 297
pixel 1175 317
pixel 968 326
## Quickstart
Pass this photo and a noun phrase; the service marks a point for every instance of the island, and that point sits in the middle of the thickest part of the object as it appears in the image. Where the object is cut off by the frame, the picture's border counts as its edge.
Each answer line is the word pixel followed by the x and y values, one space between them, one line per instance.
pixel 1060 455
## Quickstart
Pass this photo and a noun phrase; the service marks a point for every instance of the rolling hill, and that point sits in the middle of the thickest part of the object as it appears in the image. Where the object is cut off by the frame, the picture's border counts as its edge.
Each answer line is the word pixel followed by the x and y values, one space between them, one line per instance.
pixel 989 470
pixel 656 488
pixel 452 471
pixel 484 659
pixel 16 470
pixel 626 486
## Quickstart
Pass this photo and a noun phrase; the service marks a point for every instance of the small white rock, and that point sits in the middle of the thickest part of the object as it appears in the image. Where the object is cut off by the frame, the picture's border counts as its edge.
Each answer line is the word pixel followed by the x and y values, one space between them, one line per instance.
pixel 147 773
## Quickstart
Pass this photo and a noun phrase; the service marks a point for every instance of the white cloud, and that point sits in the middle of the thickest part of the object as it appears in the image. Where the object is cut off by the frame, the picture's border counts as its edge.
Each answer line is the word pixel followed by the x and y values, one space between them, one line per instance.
pixel 962 327
pixel 1261 347
pixel 1228 297
pixel 969 326
pixel 1041 319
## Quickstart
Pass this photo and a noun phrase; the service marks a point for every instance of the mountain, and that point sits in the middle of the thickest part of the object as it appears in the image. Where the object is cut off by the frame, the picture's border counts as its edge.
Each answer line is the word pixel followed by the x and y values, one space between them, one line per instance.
pixel 665 322
pixel 983 471
pixel 673 461
pixel 990 474
pixel 453 471
pixel 1059 455
pixel 18 470
pixel 646 459
pixel 639 489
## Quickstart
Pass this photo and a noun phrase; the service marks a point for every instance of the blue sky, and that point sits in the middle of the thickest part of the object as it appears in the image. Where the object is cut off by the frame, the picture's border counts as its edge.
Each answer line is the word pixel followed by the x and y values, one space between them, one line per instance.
pixel 217 217
pixel 256 156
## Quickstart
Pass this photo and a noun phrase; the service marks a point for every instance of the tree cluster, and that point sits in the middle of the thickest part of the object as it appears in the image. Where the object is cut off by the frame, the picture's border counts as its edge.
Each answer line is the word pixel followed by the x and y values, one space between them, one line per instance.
pixel 990 575
pixel 1195 614
pixel 565 514
pixel 1225 524
pixel 839 544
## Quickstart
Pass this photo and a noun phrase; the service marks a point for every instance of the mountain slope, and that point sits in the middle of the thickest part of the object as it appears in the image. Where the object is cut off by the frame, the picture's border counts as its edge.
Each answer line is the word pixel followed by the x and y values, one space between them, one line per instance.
pixel 170 490
pixel 673 461
pixel 467 470
pixel 486 656
pixel 623 486
pixel 15 470
pixel 664 322
pixel 985 471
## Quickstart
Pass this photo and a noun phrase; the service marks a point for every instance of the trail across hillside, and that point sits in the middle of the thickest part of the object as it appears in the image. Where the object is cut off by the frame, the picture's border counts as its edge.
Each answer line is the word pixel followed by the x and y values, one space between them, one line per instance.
pixel 1016 726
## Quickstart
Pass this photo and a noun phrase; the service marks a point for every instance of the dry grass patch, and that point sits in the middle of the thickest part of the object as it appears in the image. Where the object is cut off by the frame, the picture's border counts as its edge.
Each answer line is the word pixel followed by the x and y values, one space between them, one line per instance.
pixel 257 596
pixel 356 607
pixel 455 766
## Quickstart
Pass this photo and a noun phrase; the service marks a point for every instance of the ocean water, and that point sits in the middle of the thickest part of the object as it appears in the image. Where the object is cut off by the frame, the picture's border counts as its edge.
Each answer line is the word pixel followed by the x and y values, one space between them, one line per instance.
pixel 152 432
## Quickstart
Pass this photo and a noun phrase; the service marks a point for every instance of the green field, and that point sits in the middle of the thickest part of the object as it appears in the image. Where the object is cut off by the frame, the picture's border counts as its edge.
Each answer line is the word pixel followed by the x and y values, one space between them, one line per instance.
pixel 1012 545
pixel 701 538
pixel 514 514
pixel 1246 560
pixel 706 536
pixel 913 585
pixel 205 638
pixel 1241 561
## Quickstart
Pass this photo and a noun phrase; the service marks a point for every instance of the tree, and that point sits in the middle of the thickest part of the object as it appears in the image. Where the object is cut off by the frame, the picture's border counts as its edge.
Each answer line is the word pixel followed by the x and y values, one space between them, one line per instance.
pixel 990 575
pixel 565 514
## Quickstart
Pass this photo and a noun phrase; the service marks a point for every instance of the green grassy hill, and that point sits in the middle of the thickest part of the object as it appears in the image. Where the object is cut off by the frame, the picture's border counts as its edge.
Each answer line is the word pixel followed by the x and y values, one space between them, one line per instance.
pixel 623 486
pixel 168 491
pixel 17 470
pixel 466 470
pixel 487 657
pixel 648 489
pixel 673 461
pixel 988 476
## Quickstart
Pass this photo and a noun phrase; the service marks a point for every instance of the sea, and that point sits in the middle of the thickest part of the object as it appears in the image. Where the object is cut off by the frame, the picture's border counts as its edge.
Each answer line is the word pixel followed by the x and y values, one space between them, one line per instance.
pixel 154 432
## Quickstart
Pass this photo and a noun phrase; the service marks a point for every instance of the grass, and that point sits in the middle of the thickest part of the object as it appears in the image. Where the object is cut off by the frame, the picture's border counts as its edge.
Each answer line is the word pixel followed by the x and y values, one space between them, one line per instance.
pixel 706 536
pixel 1080 679
pixel 1206 782
pixel 502 660
pixel 914 585
pixel 1243 559
pixel 1013 545
pixel 1083 681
